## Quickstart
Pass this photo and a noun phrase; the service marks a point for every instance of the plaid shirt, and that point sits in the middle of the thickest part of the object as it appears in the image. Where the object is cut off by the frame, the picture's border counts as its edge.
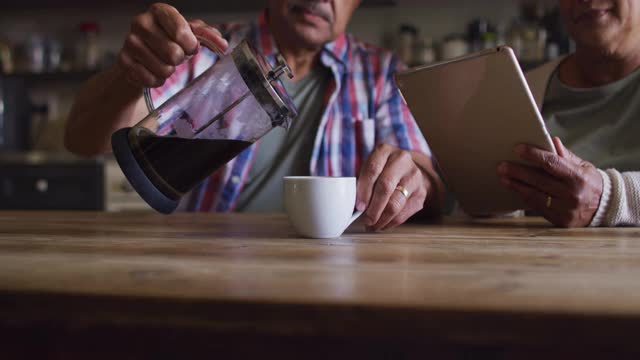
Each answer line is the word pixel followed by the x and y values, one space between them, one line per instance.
pixel 362 106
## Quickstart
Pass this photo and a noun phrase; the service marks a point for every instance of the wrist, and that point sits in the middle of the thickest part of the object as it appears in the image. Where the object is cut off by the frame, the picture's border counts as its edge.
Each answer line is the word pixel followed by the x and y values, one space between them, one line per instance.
pixel 434 203
pixel 117 74
pixel 605 198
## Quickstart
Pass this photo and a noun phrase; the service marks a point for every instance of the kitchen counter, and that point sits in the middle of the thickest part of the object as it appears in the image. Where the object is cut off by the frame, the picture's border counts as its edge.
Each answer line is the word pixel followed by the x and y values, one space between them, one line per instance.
pixel 96 285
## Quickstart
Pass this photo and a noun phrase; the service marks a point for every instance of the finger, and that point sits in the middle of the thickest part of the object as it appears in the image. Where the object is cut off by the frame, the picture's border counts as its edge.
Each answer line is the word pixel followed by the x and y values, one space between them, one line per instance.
pixel 197 22
pixel 211 34
pixel 369 173
pixel 550 162
pixel 136 73
pixel 414 204
pixel 175 26
pixel 397 202
pixel 139 51
pixel 533 177
pixel 562 150
pixel 568 154
pixel 158 41
pixel 397 167
pixel 536 200
pixel 413 182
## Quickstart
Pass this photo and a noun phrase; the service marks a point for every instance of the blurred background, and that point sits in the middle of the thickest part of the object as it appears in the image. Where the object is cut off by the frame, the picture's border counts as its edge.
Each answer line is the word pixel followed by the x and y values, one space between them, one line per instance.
pixel 47 50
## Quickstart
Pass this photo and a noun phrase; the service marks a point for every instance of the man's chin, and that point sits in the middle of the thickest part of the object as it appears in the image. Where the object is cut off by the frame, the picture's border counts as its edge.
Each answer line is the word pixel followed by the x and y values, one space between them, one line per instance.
pixel 311 37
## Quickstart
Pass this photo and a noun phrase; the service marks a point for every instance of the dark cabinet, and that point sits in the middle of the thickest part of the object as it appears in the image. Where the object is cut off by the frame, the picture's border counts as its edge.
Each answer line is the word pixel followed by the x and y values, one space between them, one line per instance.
pixel 14 113
pixel 52 186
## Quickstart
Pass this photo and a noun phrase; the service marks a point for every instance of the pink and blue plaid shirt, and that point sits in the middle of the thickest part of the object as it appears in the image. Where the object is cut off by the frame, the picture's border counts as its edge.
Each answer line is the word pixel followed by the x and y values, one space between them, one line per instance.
pixel 363 107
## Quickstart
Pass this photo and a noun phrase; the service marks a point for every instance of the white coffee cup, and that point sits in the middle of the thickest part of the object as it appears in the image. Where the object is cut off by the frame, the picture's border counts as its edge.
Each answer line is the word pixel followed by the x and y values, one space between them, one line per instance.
pixel 320 207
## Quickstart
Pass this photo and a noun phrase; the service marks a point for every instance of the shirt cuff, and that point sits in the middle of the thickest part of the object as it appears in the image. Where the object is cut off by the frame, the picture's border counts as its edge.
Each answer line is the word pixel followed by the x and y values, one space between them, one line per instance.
pixel 605 199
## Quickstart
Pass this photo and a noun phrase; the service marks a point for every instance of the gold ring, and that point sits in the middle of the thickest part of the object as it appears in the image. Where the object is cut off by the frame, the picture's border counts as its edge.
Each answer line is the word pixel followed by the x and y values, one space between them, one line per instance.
pixel 548 203
pixel 403 191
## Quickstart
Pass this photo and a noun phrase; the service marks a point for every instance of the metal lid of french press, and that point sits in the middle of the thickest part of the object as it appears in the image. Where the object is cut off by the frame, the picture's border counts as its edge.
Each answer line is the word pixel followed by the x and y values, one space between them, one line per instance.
pixel 262 81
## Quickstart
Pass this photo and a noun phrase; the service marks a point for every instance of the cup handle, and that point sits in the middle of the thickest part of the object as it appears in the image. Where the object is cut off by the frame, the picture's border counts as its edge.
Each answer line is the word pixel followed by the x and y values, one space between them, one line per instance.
pixel 355 217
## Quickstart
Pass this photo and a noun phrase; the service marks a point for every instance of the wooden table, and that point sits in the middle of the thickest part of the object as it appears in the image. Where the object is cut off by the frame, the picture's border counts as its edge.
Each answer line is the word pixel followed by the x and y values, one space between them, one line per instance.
pixel 92 285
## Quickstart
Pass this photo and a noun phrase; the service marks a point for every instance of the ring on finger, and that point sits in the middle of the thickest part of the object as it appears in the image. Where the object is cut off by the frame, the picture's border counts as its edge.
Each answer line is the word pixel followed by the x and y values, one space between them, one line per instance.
pixel 403 191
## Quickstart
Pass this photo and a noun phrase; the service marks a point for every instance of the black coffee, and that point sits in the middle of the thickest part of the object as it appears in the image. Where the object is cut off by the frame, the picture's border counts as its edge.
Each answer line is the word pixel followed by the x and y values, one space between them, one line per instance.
pixel 176 165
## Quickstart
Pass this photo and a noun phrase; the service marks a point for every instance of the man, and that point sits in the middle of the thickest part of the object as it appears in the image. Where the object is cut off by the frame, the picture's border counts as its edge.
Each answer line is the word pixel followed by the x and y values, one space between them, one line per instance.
pixel 590 99
pixel 351 117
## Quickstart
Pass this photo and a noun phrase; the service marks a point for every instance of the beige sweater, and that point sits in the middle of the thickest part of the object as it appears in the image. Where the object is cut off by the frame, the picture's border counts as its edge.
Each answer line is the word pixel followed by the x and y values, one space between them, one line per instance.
pixel 620 201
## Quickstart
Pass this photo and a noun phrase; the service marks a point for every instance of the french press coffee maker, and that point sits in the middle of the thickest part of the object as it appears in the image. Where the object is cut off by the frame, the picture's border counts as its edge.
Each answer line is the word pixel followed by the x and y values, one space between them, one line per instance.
pixel 217 116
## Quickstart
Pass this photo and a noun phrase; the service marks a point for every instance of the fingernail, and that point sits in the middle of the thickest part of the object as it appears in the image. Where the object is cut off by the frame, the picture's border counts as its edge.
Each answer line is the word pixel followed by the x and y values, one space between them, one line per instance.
pixel 502 167
pixel 360 206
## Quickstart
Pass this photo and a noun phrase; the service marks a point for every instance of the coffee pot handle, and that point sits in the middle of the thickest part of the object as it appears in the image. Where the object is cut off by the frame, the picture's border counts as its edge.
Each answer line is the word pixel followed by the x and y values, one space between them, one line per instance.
pixel 204 42
pixel 210 45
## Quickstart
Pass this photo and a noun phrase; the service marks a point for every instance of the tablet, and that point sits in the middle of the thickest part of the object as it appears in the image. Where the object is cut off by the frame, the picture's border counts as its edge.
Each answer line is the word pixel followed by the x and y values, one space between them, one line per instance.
pixel 472 111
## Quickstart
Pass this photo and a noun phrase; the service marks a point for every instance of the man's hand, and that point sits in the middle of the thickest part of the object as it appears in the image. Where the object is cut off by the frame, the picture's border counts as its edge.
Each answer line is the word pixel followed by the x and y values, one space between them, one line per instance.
pixel 383 176
pixel 563 188
pixel 159 40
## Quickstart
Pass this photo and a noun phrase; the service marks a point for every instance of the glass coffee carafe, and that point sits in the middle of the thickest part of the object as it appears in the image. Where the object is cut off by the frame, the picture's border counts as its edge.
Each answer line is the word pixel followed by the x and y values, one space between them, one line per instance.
pixel 208 123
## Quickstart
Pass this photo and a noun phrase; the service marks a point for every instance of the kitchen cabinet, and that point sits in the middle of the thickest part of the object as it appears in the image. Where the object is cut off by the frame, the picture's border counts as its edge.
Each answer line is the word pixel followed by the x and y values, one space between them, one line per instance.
pixel 38 181
pixel 42 181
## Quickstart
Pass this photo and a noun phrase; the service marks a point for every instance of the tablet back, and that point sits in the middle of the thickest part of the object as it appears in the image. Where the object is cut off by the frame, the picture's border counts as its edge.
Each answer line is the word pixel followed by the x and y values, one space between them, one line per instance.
pixel 473 111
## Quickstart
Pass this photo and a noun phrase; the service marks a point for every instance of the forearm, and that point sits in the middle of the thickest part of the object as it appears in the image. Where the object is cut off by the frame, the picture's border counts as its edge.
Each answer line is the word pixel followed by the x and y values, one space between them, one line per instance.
pixel 107 102
pixel 620 200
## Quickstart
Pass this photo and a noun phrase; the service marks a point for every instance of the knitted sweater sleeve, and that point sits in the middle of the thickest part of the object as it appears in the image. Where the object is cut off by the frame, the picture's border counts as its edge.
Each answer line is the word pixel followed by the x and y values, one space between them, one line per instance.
pixel 620 200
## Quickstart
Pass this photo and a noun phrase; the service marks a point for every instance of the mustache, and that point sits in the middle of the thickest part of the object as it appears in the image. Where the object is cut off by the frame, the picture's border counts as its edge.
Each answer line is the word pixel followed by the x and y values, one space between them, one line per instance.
pixel 315 7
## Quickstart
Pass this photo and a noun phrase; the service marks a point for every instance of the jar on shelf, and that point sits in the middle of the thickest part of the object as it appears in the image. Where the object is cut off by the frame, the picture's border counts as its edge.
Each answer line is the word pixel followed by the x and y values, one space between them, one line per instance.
pixel 88 50
pixel 453 46
pixel 6 57
pixel 405 43
pixel 30 55
pixel 424 52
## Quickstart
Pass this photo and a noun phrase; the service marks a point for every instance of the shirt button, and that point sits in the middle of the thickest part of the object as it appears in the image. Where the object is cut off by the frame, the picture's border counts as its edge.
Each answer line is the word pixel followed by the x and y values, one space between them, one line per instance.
pixel 235 179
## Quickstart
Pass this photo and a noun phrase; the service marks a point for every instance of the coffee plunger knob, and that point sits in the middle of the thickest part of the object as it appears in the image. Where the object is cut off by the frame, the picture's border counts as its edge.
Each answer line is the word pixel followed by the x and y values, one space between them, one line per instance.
pixel 281 68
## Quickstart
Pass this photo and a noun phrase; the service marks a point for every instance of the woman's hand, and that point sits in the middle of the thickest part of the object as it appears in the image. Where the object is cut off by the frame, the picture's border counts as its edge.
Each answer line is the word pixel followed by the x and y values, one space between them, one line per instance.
pixel 565 189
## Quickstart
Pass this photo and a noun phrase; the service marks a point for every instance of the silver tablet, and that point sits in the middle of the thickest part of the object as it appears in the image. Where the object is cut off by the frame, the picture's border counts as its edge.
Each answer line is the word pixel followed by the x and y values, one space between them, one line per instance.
pixel 473 110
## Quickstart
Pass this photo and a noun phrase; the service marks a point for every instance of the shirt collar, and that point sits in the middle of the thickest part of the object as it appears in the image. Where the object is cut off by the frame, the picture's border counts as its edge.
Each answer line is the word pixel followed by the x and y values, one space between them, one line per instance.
pixel 338 49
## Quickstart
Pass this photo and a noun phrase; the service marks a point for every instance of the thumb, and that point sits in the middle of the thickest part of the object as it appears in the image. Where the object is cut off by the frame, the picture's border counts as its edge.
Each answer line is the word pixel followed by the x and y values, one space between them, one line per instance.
pixel 564 152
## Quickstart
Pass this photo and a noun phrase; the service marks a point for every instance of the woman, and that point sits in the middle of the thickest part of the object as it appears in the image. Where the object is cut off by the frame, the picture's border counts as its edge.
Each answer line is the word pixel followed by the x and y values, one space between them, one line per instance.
pixel 590 100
